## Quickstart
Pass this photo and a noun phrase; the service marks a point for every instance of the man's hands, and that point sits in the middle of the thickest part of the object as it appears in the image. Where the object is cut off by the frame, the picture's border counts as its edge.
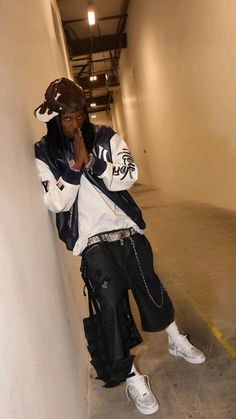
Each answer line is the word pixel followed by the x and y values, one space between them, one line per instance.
pixel 80 152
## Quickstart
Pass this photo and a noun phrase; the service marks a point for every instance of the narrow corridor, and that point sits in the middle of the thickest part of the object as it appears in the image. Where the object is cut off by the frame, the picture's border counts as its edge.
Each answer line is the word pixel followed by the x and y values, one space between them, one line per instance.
pixel 194 251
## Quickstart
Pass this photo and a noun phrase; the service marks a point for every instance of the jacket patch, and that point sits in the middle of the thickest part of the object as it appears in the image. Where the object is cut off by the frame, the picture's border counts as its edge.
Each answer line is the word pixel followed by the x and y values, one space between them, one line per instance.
pixel 102 153
pixel 60 185
pixel 45 185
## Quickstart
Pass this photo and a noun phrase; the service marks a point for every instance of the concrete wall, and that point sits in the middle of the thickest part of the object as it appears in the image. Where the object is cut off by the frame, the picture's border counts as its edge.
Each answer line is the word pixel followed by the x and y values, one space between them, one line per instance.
pixel 178 79
pixel 40 375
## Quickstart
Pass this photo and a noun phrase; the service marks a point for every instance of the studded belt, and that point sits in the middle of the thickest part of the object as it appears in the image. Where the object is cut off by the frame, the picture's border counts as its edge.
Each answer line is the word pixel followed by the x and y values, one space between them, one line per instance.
pixel 112 236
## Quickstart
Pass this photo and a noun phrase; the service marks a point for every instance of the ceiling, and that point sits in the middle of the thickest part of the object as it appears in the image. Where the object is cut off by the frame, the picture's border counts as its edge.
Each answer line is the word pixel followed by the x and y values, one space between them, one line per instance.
pixel 95 50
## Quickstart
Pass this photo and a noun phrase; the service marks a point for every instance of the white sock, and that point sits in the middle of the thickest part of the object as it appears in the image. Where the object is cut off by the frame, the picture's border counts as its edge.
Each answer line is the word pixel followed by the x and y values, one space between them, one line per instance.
pixel 172 331
pixel 134 372
pixel 133 369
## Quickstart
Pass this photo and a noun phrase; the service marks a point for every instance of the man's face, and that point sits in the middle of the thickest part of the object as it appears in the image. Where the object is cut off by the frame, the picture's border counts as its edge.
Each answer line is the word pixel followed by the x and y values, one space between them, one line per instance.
pixel 70 122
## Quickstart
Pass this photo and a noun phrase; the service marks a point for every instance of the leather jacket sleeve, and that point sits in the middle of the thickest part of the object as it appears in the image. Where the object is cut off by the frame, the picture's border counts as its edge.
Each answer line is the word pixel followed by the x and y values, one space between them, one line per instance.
pixel 122 172
pixel 59 195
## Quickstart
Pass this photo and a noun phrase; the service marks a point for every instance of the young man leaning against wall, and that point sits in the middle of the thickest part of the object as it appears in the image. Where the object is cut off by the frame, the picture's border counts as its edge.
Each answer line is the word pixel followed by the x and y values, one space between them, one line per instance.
pixel 86 171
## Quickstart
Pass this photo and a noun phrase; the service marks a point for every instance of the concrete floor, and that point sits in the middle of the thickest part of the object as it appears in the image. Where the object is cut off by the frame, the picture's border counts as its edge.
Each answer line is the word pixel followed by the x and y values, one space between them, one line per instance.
pixel 194 249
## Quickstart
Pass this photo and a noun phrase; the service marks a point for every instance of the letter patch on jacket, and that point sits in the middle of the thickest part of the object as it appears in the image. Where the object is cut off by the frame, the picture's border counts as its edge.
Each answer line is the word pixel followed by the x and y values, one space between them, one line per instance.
pixel 45 185
pixel 102 153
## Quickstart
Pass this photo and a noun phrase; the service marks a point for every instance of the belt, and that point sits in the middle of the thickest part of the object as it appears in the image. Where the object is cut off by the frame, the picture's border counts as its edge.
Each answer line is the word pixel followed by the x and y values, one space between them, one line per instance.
pixel 111 236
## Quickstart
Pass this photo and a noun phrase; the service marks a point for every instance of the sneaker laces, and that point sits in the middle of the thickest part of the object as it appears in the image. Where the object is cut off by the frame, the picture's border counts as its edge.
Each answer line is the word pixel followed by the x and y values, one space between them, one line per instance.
pixel 183 343
pixel 141 384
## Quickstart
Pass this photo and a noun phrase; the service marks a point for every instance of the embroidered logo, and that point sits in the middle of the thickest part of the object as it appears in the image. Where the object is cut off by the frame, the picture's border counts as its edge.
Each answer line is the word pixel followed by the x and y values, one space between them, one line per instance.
pixel 128 167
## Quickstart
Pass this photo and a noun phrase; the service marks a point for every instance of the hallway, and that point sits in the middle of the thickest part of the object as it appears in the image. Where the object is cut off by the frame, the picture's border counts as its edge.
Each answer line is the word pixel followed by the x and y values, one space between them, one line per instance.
pixel 170 94
pixel 194 250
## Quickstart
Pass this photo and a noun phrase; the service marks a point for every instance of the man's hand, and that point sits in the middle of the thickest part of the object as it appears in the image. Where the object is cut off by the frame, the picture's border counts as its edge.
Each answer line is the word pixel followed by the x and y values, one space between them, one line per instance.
pixel 80 152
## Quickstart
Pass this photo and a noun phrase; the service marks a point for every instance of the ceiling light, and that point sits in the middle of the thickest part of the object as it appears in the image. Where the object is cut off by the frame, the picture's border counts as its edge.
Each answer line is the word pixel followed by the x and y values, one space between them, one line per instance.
pixel 91 16
pixel 93 105
pixel 92 78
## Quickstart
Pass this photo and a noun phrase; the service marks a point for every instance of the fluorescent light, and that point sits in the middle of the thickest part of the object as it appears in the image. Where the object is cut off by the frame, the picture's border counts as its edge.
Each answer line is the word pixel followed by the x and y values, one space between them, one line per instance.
pixel 91 17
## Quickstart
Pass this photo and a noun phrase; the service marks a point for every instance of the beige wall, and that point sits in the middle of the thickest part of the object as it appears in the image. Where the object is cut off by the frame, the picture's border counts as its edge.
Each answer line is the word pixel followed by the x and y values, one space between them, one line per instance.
pixel 40 376
pixel 118 115
pixel 135 136
pixel 181 61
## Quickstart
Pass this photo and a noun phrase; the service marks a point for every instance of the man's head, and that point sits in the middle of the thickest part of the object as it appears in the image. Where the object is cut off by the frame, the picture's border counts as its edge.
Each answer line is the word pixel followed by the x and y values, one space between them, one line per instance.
pixel 65 98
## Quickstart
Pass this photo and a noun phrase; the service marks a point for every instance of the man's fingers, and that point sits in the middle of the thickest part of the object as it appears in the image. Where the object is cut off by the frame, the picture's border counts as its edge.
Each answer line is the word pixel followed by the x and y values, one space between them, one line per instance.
pixel 77 136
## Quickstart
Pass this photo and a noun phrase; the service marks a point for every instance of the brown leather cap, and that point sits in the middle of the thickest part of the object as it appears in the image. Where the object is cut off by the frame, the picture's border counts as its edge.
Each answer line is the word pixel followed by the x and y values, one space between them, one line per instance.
pixel 62 96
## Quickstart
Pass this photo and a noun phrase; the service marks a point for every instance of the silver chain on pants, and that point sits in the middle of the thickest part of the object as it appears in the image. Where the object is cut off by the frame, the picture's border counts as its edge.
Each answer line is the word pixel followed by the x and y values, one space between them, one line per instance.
pixel 144 280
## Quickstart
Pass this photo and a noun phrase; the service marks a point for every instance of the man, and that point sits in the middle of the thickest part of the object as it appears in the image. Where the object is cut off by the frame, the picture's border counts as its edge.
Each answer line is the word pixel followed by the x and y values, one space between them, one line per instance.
pixel 86 171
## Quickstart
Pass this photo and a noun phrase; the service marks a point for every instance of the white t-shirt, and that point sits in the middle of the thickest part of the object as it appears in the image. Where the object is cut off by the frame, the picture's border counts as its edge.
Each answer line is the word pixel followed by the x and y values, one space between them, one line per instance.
pixel 97 214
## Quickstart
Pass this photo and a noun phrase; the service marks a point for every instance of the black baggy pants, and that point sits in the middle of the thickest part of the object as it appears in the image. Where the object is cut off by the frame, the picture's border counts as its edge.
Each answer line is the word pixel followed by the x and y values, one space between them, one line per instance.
pixel 112 269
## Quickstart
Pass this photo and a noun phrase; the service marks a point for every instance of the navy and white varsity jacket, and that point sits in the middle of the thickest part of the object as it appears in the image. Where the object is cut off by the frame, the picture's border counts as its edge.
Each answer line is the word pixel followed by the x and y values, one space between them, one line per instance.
pixel 113 172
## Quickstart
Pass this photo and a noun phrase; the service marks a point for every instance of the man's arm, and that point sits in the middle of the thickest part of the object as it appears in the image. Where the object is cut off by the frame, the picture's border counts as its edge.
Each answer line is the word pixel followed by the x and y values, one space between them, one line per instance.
pixel 59 195
pixel 122 173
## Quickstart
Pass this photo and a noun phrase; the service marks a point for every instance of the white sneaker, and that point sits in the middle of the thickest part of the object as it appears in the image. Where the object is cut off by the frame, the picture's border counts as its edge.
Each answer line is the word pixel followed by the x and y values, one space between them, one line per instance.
pixel 138 389
pixel 182 348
